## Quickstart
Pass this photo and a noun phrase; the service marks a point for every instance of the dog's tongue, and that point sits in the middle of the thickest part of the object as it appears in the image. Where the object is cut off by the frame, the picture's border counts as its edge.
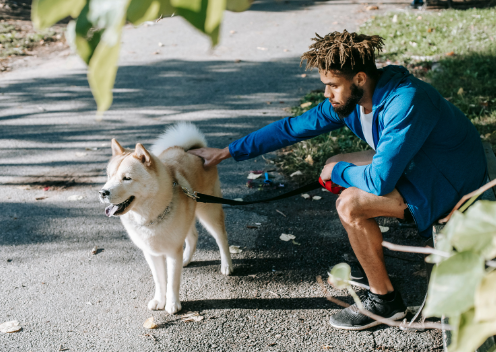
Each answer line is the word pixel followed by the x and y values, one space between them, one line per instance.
pixel 111 209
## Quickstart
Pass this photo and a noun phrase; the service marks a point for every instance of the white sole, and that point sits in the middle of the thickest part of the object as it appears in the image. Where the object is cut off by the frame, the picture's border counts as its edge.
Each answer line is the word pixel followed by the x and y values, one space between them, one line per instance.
pixel 397 316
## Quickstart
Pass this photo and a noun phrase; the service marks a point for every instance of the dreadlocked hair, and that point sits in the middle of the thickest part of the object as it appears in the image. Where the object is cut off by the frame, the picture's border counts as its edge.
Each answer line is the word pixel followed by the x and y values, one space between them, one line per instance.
pixel 344 53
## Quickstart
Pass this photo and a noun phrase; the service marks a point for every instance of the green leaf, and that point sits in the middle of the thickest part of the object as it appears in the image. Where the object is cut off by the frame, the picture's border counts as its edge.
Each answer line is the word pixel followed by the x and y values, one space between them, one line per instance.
pixel 204 15
pixel 340 275
pixel 108 15
pixel 238 5
pixel 140 11
pixel 485 298
pixel 471 335
pixel 477 231
pixel 85 38
pixel 45 13
pixel 101 74
pixel 453 284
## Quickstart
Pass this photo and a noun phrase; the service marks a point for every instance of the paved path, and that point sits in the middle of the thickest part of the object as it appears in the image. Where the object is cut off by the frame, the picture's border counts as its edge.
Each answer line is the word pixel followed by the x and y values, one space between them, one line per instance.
pixel 64 297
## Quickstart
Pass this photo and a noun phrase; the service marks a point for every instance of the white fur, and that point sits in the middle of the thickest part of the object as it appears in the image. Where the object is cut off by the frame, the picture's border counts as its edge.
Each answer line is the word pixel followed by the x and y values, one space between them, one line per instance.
pixel 183 134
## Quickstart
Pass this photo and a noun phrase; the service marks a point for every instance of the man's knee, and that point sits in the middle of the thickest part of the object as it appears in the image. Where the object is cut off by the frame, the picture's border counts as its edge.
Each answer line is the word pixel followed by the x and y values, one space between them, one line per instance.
pixel 335 159
pixel 348 204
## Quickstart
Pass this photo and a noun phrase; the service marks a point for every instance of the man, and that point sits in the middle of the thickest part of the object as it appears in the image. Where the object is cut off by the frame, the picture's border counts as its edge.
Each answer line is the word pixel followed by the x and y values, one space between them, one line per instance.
pixel 426 155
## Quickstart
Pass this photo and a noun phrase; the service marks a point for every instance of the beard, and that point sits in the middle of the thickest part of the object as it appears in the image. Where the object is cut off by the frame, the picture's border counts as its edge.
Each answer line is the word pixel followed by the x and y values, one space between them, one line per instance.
pixel 350 105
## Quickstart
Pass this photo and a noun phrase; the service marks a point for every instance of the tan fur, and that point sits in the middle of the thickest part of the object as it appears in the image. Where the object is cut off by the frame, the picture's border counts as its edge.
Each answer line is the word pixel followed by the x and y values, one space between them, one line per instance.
pixel 151 184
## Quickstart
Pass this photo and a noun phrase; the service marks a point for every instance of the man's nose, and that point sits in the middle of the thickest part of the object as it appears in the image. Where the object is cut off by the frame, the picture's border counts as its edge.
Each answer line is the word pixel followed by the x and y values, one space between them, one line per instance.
pixel 104 192
pixel 327 92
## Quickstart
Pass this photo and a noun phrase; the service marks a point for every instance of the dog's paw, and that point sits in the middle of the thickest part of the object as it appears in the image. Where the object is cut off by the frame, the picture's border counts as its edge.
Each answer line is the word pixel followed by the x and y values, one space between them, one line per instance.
pixel 226 269
pixel 173 307
pixel 156 304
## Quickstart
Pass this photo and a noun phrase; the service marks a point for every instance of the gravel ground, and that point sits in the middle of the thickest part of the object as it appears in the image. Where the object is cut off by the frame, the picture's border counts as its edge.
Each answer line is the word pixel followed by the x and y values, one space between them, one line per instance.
pixel 53 149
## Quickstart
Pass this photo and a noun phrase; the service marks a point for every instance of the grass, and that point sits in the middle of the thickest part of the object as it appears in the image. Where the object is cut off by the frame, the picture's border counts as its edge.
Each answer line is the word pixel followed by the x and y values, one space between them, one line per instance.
pixel 455 51
pixel 15 42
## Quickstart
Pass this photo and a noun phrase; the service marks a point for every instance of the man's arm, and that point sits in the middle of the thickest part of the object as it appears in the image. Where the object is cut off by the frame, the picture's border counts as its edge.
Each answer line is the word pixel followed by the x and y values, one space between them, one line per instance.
pixel 409 121
pixel 276 135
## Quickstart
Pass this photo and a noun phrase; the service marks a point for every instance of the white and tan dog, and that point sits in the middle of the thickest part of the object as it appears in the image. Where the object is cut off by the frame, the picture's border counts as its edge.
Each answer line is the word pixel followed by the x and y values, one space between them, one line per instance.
pixel 146 190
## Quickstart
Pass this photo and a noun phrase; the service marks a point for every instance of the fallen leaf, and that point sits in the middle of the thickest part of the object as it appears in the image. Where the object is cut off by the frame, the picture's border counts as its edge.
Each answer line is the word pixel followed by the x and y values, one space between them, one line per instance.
pixel 384 229
pixel 10 326
pixel 309 160
pixel 91 148
pixel 94 250
pixel 326 347
pixel 253 176
pixel 371 8
pixel 430 30
pixel 235 250
pixel 305 105
pixel 287 237
pixel 237 60
pixel 305 195
pixel 316 198
pixel 460 91
pixel 451 53
pixel 74 197
pixel 191 317
pixel 296 243
pixel 280 212
pixel 41 198
pixel 296 173
pixel 150 324
pixel 238 199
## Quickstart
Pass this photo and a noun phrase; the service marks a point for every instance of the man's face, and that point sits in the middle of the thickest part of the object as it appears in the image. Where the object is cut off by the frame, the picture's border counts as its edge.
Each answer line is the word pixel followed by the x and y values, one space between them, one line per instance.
pixel 343 93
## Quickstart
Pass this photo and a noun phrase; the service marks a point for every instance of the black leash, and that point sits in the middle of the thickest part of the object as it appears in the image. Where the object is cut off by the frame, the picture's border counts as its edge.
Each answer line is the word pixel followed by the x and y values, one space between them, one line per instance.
pixel 205 198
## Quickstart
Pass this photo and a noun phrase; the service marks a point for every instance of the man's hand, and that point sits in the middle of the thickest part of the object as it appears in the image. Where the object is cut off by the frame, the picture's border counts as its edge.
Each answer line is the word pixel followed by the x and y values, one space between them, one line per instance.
pixel 211 156
pixel 326 173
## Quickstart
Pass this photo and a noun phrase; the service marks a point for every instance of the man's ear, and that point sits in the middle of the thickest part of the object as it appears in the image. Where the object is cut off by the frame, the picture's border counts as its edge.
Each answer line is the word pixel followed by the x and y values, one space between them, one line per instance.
pixel 360 79
pixel 142 154
pixel 116 148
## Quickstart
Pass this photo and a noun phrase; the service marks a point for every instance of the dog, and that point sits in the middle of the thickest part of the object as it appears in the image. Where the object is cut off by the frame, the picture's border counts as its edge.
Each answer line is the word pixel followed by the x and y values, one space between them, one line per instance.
pixel 149 190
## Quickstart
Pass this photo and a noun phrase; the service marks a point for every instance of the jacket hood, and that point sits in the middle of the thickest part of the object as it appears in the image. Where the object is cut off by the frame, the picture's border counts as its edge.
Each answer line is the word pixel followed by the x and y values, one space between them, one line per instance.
pixel 391 77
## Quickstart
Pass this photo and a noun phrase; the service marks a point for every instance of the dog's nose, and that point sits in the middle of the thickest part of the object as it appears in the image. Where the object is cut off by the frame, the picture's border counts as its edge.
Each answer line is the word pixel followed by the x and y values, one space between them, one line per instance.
pixel 104 192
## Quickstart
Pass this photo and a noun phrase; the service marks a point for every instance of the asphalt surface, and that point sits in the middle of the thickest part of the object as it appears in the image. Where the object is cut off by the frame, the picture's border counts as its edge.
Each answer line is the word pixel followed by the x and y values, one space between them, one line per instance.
pixel 53 149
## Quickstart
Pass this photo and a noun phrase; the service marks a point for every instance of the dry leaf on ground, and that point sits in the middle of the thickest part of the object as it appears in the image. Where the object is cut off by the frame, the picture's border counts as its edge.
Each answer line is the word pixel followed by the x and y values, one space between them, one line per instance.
pixel 253 176
pixel 305 105
pixel 150 324
pixel 235 250
pixel 309 159
pixel 191 317
pixel 372 8
pixel 10 326
pixel 316 198
pixel 305 195
pixel 296 173
pixel 74 197
pixel 287 237
pixel 384 229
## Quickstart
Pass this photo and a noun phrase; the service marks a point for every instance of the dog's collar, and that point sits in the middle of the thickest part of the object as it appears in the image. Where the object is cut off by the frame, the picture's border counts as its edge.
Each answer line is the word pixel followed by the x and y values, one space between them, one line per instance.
pixel 162 216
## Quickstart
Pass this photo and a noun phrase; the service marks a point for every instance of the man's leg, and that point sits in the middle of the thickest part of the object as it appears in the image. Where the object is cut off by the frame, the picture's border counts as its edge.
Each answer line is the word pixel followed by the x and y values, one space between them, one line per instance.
pixel 357 210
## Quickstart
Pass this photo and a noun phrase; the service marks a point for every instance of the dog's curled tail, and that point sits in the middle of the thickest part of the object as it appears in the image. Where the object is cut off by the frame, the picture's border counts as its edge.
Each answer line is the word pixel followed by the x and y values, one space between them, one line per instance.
pixel 183 134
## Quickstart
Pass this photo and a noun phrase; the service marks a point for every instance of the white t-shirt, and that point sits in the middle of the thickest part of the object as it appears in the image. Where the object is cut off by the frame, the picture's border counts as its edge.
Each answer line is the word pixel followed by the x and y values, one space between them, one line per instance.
pixel 366 120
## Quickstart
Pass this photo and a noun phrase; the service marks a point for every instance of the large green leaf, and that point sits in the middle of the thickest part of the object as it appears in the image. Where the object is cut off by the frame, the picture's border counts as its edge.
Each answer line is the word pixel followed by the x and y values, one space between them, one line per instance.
pixel 238 5
pixel 477 231
pixel 485 298
pixel 471 334
pixel 109 15
pixel 140 11
pixel 101 74
pixel 340 275
pixel 45 13
pixel 204 15
pixel 453 284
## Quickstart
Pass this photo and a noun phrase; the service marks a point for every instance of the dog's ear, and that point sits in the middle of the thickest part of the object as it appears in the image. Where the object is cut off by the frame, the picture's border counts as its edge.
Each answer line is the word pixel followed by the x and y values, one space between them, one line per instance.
pixel 116 148
pixel 142 154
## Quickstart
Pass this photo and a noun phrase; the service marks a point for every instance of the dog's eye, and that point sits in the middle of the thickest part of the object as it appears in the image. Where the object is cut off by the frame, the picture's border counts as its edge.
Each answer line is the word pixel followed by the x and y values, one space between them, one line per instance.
pixel 126 178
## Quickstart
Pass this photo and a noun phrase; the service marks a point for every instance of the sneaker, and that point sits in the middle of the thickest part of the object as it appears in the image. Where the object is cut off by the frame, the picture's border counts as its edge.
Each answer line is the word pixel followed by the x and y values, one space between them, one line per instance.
pixel 351 319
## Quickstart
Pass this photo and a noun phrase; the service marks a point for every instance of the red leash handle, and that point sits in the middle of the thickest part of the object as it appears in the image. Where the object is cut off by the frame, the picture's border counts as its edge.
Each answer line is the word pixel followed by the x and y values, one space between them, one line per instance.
pixel 328 186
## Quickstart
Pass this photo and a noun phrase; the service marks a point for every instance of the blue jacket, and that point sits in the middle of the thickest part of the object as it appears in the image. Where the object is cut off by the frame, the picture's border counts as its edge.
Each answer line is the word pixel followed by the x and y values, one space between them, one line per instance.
pixel 426 147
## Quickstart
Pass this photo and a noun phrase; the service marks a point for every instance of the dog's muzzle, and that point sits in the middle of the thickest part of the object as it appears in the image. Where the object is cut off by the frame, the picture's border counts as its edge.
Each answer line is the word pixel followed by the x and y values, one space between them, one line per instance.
pixel 103 193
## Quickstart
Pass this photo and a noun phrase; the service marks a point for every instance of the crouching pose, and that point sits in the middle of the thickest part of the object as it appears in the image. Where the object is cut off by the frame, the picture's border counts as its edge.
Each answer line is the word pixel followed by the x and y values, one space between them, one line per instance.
pixel 426 154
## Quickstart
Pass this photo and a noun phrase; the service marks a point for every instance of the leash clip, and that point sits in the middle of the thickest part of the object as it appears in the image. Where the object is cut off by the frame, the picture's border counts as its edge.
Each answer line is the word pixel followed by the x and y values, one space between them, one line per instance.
pixel 192 195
